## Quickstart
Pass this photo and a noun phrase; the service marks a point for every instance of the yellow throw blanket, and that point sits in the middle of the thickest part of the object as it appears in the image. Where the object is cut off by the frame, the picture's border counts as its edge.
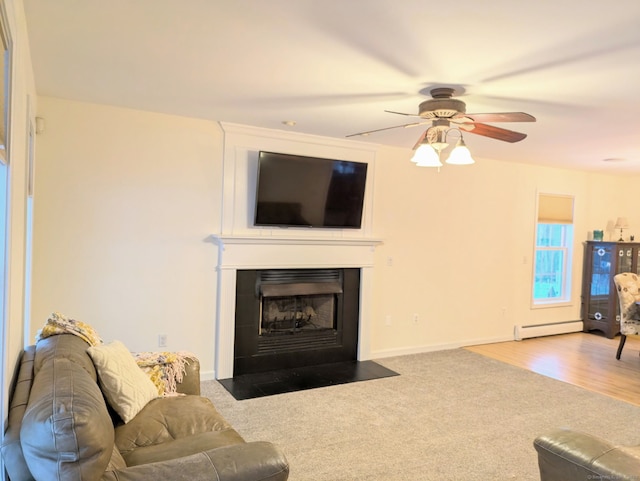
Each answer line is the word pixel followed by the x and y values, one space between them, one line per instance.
pixel 60 324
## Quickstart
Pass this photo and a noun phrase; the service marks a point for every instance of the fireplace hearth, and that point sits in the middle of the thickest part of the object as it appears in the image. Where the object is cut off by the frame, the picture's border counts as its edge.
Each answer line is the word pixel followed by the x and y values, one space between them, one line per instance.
pixel 289 318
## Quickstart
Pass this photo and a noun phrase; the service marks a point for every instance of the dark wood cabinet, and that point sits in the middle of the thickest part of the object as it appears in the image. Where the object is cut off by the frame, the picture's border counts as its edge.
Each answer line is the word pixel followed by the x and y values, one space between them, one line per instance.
pixel 602 261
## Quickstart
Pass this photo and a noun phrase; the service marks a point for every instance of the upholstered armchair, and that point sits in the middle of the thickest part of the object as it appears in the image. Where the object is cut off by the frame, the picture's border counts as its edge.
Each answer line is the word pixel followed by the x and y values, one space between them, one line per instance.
pixel 566 455
pixel 628 289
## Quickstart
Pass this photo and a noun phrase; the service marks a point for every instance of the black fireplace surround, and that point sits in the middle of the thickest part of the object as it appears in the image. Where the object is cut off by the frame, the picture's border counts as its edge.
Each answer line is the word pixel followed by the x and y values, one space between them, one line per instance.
pixel 287 318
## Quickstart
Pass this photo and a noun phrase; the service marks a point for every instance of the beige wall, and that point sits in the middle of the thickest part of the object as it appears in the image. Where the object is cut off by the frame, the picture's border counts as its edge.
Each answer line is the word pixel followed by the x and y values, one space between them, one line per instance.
pixel 125 201
pixel 460 245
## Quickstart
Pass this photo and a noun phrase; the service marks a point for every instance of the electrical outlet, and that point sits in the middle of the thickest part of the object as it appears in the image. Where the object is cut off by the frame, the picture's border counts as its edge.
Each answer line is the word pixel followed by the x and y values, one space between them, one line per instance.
pixel 162 340
pixel 387 320
pixel 416 318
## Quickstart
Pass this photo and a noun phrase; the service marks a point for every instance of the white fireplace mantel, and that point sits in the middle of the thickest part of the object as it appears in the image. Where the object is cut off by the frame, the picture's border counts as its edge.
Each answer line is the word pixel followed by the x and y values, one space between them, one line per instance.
pixel 269 252
pixel 343 241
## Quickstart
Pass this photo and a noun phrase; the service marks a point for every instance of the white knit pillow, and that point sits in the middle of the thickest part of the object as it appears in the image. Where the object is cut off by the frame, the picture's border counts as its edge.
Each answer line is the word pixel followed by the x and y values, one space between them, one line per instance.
pixel 127 388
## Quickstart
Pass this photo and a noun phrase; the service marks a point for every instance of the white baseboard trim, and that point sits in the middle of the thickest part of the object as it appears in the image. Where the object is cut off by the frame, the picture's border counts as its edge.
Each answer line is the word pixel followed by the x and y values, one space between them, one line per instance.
pixel 527 331
pixel 381 354
pixel 549 329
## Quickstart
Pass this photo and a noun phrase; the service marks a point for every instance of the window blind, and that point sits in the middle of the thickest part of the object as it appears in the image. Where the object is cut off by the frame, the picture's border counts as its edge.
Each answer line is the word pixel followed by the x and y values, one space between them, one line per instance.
pixel 555 209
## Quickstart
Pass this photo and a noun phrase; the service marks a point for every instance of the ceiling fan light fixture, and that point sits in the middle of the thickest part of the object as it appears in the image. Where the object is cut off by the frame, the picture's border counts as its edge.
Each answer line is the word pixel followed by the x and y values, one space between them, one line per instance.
pixel 442 110
pixel 426 156
pixel 439 146
pixel 460 155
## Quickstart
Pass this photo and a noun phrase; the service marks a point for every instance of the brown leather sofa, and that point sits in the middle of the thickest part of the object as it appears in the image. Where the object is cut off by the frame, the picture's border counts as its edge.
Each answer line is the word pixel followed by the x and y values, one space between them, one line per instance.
pixel 61 428
pixel 566 455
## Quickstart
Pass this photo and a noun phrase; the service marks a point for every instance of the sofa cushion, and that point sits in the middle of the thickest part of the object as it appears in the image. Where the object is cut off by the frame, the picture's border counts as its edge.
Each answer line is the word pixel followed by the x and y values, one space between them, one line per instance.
pixel 127 388
pixel 165 420
pixel 253 461
pixel 64 346
pixel 66 432
pixel 179 448
pixel 117 461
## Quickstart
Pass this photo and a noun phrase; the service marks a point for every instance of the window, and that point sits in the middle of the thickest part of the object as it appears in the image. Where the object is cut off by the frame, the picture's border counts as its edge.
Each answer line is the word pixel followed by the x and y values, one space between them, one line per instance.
pixel 553 250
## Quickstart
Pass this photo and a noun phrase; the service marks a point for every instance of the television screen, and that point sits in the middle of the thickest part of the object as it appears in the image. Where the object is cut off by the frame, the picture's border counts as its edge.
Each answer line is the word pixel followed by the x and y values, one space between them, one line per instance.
pixel 300 191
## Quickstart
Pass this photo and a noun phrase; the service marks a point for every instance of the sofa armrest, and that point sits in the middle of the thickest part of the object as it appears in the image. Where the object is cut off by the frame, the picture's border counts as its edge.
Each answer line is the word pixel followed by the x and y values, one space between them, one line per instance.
pixel 253 461
pixel 190 383
pixel 173 371
pixel 566 455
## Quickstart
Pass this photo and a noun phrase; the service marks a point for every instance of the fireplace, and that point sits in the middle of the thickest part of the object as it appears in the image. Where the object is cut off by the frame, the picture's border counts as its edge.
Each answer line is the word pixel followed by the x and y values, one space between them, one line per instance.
pixel 290 315
pixel 239 255
pixel 295 317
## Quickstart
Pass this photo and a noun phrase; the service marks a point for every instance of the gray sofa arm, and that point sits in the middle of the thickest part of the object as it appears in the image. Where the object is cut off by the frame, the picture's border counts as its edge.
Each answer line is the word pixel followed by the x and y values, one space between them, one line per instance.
pixel 191 381
pixel 566 455
pixel 255 461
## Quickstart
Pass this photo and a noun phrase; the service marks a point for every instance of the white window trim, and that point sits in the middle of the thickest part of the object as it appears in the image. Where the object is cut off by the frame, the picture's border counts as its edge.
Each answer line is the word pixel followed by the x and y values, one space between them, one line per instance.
pixel 566 299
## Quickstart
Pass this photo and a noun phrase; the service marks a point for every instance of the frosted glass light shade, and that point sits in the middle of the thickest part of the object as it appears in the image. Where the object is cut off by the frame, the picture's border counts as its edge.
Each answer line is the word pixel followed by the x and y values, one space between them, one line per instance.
pixel 426 156
pixel 460 155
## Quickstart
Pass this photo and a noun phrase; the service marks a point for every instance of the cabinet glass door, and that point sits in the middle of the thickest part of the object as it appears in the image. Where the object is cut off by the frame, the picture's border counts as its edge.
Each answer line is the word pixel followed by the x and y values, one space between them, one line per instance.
pixel 625 259
pixel 600 283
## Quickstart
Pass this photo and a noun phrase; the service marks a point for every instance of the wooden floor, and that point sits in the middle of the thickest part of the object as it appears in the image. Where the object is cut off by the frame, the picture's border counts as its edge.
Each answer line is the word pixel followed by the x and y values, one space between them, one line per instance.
pixel 583 359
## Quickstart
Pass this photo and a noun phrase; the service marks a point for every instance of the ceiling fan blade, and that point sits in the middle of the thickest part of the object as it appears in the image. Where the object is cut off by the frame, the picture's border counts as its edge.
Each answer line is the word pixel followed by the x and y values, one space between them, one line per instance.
pixel 420 139
pixel 493 132
pixel 412 124
pixel 401 113
pixel 502 117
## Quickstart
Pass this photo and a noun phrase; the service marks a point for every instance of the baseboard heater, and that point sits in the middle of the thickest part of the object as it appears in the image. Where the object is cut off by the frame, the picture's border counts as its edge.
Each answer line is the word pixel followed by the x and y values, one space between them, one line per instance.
pixel 549 329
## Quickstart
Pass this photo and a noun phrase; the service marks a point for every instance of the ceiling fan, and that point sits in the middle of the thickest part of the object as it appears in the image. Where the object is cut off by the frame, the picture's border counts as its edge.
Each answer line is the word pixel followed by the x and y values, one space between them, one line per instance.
pixel 442 110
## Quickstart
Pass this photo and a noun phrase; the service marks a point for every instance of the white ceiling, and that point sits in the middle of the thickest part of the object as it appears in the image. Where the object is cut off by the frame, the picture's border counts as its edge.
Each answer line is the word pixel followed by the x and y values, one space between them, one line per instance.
pixel 334 66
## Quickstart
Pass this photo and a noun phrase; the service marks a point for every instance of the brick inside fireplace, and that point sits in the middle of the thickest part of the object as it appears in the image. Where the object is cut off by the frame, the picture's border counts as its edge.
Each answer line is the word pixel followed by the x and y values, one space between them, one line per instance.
pixel 289 318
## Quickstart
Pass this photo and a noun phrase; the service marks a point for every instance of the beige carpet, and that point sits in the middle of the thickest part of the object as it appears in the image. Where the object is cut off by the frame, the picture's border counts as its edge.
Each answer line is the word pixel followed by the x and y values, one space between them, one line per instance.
pixel 450 415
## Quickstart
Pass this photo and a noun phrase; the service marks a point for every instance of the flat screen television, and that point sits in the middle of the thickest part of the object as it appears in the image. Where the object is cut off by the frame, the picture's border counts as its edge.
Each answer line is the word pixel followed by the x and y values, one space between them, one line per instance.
pixel 301 191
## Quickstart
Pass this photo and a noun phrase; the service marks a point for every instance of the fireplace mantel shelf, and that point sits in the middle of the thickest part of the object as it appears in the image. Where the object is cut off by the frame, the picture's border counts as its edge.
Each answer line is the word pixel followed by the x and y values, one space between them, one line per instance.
pixel 223 240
